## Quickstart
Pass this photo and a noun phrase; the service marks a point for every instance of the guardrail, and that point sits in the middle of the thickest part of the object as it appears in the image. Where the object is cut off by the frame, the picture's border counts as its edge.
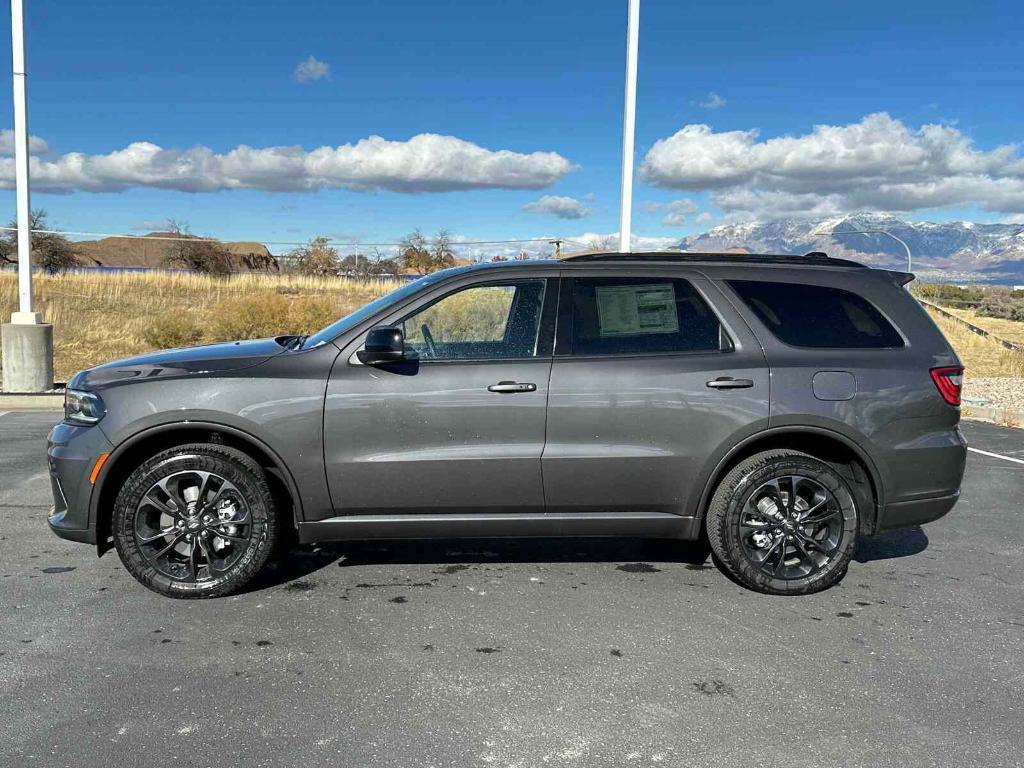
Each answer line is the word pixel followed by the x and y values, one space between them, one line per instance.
pixel 1014 345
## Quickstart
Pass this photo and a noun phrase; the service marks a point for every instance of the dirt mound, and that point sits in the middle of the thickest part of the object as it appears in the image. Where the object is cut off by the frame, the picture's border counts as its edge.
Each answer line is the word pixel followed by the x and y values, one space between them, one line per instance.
pixel 152 251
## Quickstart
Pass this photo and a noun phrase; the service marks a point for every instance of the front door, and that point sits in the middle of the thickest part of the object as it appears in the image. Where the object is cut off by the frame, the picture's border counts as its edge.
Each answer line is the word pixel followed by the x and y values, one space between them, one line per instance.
pixel 654 372
pixel 460 426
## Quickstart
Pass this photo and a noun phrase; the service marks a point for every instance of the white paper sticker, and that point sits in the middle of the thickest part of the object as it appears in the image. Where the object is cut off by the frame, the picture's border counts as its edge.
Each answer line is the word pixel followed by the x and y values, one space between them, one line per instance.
pixel 630 310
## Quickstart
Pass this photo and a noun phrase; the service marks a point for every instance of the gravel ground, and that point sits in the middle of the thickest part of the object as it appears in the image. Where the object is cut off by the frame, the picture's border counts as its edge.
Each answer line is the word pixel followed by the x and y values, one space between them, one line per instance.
pixel 1007 392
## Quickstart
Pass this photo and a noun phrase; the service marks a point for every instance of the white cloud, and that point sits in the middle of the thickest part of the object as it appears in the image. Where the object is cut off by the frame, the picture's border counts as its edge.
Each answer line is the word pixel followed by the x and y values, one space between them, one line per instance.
pixel 713 101
pixel 677 211
pixel 558 205
pixel 425 163
pixel 152 225
pixel 703 218
pixel 35 144
pixel 610 242
pixel 312 69
pixel 878 163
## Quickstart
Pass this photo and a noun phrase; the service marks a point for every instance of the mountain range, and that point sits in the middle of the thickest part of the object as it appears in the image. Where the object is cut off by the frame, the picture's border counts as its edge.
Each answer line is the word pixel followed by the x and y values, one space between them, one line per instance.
pixel 949 251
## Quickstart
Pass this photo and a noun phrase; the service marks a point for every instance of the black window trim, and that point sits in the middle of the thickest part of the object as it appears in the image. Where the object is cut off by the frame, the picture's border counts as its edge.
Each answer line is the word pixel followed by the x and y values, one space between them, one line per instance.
pixel 566 315
pixel 744 308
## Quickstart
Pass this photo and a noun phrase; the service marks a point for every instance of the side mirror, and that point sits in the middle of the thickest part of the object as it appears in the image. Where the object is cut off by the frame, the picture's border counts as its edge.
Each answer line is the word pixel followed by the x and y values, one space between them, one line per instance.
pixel 384 344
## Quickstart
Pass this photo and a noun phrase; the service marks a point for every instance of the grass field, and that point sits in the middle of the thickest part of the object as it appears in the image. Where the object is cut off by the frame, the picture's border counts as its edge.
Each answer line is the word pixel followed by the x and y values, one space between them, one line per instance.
pixel 104 316
pixel 1010 330
pixel 981 356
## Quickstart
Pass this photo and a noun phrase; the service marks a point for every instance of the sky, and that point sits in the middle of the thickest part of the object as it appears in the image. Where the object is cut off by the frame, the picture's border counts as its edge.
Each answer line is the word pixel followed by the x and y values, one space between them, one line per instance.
pixel 499 120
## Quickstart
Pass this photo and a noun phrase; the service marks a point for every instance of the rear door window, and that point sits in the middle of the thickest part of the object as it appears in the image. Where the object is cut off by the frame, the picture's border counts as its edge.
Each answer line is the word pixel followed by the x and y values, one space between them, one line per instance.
pixel 817 316
pixel 637 315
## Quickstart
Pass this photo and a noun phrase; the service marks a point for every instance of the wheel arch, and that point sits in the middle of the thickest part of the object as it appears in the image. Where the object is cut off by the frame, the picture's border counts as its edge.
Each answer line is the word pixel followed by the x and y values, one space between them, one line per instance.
pixel 825 444
pixel 134 450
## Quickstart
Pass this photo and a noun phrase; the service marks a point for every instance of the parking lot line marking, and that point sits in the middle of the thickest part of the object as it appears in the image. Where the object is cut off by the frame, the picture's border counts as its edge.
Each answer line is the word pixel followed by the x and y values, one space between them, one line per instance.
pixel 996 455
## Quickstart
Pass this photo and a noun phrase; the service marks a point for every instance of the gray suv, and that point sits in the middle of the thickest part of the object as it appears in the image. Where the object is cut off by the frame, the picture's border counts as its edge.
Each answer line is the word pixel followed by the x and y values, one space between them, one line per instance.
pixel 783 405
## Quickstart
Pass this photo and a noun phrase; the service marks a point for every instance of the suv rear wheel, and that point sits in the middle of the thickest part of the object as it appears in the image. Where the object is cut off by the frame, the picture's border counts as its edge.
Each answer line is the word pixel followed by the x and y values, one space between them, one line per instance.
pixel 195 521
pixel 783 522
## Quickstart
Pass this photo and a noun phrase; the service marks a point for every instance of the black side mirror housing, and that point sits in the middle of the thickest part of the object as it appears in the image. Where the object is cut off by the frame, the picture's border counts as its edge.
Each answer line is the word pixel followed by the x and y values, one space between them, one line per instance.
pixel 384 344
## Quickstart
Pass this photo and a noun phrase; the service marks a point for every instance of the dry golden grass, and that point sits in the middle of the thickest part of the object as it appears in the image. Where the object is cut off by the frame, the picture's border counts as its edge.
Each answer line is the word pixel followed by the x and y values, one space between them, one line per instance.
pixel 1011 330
pixel 103 316
pixel 980 356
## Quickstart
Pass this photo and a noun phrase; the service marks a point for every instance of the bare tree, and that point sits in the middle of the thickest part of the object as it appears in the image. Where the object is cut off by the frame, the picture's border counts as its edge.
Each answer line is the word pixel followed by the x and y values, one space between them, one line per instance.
pixel 316 257
pixel 51 252
pixel 601 244
pixel 364 267
pixel 441 250
pixel 190 252
pixel 425 256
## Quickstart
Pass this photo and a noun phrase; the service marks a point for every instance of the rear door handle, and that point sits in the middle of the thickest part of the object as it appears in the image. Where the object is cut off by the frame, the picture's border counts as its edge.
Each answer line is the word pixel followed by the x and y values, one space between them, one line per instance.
pixel 728 382
pixel 511 387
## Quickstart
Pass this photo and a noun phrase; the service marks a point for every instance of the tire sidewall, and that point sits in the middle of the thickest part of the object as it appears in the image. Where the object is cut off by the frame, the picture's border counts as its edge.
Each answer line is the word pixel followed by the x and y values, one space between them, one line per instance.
pixel 245 474
pixel 732 497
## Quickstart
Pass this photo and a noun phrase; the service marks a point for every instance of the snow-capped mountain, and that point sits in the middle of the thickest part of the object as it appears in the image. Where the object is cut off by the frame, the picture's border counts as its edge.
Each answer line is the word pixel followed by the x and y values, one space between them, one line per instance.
pixel 960 250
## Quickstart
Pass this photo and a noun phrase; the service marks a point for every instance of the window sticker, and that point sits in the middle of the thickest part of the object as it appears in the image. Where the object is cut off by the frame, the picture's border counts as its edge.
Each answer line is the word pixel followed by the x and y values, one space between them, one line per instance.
pixel 631 310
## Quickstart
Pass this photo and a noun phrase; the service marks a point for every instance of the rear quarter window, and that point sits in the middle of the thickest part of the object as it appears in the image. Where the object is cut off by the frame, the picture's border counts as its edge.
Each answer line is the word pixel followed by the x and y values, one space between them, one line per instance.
pixel 817 316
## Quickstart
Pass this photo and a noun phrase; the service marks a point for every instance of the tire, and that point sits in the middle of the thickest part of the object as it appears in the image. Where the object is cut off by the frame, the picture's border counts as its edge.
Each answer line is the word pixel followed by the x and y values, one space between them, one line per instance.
pixel 750 517
pixel 181 546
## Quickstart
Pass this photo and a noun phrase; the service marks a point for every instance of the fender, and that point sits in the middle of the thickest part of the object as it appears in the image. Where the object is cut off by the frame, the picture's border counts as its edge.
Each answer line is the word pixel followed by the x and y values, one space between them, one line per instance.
pixel 126 444
pixel 709 483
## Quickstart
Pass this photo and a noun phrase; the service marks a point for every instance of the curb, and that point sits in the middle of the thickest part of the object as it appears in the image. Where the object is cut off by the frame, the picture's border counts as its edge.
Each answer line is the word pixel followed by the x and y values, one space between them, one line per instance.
pixel 1002 416
pixel 14 401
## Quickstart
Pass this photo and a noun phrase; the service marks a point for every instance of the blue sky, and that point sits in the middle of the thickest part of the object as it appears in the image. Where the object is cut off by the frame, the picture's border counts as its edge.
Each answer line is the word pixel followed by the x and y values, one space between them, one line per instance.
pixel 924 102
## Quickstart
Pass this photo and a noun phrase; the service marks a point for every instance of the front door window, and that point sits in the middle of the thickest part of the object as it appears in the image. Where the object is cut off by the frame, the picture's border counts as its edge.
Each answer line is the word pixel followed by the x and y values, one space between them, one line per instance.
pixel 482 322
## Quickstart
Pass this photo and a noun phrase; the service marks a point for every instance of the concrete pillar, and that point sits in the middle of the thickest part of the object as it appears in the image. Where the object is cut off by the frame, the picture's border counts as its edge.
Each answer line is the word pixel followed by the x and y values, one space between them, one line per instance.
pixel 27 354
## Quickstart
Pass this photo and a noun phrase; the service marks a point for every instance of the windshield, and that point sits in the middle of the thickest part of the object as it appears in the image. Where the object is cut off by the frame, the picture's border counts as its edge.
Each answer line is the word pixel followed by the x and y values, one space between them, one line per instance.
pixel 350 321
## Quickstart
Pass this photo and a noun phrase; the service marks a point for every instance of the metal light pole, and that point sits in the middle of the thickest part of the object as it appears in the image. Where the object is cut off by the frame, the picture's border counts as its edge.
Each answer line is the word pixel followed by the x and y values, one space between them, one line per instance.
pixel 628 125
pixel 23 206
pixel 872 232
pixel 27 341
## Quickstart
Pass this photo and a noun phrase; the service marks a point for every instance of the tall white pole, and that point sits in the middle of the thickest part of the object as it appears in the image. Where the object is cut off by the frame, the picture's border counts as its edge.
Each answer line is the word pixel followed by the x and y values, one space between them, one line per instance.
pixel 628 125
pixel 23 207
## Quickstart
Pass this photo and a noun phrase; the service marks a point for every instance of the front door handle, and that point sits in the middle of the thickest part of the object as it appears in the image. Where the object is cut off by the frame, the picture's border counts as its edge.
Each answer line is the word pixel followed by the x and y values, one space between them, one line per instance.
pixel 510 387
pixel 728 382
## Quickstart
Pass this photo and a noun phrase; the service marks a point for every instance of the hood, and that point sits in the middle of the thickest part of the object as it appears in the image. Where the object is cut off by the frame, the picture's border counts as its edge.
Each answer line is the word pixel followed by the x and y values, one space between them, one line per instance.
pixel 209 358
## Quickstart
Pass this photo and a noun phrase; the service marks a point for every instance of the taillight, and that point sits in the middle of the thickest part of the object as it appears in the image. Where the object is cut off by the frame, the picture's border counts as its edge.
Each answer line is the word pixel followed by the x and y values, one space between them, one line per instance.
pixel 949 381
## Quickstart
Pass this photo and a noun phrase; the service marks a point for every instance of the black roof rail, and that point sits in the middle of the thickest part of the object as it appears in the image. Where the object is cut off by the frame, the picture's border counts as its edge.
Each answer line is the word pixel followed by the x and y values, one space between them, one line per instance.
pixel 815 258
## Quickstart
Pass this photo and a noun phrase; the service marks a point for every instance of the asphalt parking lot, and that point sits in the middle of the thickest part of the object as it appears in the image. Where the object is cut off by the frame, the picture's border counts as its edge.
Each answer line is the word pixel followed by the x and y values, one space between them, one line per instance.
pixel 518 653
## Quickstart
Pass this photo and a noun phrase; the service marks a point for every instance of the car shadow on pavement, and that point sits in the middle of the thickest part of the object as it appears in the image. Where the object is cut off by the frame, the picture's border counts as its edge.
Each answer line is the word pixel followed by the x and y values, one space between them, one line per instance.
pixel 891 544
pixel 299 561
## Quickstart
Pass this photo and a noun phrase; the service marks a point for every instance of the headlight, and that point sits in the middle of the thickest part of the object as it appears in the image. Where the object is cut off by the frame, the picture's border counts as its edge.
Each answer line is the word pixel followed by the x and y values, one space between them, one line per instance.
pixel 83 407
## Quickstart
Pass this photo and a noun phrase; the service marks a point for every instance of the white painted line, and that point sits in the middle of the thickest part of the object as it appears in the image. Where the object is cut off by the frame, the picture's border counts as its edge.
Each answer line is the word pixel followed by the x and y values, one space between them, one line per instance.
pixel 3 413
pixel 997 455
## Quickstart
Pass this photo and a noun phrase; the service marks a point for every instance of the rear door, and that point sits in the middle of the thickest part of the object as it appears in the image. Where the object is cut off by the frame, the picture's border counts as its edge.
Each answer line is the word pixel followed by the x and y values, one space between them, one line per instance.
pixel 655 375
pixel 460 426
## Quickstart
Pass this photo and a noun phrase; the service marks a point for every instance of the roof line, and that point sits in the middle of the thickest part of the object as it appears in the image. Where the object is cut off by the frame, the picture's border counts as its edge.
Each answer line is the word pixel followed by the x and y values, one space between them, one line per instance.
pixel 815 258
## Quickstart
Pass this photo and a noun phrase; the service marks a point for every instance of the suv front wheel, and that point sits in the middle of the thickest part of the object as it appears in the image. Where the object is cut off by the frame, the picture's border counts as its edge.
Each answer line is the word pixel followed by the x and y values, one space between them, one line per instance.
pixel 783 522
pixel 195 521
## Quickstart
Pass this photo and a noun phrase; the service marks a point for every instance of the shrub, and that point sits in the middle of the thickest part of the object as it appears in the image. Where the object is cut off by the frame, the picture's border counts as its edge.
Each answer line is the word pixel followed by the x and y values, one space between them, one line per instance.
pixel 250 317
pixel 1002 304
pixel 169 331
